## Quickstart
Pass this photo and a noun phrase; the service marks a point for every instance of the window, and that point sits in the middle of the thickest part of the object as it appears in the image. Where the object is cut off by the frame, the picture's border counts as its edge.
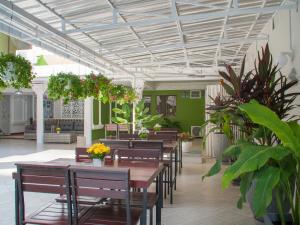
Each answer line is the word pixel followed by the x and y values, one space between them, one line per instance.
pixel 147 103
pixel 166 105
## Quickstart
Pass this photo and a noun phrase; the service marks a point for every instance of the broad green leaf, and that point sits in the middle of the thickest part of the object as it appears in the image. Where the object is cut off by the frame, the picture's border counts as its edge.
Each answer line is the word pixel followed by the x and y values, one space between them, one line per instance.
pixel 247 150
pixel 118 111
pixel 213 170
pixel 262 115
pixel 266 181
pixel 245 184
pixel 232 150
pixel 259 159
pixel 253 158
pixel 119 120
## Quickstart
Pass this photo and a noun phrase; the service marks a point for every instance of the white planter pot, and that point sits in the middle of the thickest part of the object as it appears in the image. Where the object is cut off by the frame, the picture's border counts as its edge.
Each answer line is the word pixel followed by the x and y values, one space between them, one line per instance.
pixel 97 162
pixel 219 144
pixel 186 146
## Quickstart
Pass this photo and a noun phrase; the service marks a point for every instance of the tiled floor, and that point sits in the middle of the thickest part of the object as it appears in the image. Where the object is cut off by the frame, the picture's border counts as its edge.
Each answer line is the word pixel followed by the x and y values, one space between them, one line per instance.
pixel 195 202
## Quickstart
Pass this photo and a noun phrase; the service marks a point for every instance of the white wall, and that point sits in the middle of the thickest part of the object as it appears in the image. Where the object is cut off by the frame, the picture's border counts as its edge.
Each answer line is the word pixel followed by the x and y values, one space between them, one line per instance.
pixel 279 41
pixel 20 112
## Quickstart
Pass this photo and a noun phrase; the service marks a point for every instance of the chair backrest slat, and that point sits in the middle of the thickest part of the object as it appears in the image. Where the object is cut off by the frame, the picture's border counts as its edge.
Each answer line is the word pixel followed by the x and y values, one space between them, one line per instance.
pixel 165 136
pixel 127 136
pixel 44 189
pixel 43 180
pixel 154 144
pixel 139 154
pixel 81 155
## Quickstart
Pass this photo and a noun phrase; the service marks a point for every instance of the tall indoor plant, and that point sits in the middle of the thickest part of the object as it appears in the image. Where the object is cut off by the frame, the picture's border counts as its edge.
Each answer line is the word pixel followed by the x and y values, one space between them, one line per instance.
pixel 275 169
pixel 269 88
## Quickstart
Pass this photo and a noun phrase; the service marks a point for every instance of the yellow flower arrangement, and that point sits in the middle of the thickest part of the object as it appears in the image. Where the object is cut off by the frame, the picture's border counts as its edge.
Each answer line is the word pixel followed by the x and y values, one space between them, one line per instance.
pixel 98 151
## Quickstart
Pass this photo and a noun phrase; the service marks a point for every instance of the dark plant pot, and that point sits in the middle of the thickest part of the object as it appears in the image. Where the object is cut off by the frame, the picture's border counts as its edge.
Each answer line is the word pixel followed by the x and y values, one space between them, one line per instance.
pixel 236 182
pixel 272 212
pixel 219 144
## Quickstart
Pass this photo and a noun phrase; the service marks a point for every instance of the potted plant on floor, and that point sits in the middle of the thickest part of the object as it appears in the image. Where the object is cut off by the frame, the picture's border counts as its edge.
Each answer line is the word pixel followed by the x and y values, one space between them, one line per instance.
pixel 270 173
pixel 268 87
pixel 186 139
pixel 97 152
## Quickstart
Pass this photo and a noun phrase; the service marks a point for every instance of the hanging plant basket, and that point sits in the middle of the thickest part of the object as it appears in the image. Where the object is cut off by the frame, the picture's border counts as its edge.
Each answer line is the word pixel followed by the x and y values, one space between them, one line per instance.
pixel 69 86
pixel 15 71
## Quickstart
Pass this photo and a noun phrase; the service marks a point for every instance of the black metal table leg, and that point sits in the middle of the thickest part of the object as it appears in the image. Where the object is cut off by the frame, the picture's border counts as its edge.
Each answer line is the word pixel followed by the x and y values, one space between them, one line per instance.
pixel 176 168
pixel 17 204
pixel 145 203
pixel 160 200
pixel 171 178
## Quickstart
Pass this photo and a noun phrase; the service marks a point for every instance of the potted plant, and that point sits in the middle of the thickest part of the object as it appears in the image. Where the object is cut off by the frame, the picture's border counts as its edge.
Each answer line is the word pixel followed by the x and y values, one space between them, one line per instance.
pixel 143 133
pixel 58 129
pixel 97 152
pixel 186 139
pixel 271 173
pixel 156 127
pixel 269 88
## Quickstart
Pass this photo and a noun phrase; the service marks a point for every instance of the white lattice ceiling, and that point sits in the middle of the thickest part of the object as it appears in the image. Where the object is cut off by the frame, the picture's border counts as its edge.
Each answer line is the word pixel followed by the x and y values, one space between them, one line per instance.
pixel 149 39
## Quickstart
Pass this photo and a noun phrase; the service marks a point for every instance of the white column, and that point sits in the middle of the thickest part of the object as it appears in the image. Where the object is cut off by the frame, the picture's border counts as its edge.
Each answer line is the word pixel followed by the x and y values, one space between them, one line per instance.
pixel 88 120
pixel 39 89
pixel 138 86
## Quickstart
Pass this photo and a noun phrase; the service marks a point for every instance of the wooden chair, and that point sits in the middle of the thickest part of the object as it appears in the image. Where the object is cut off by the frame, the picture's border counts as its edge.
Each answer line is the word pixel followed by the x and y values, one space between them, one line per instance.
pixel 168 179
pixel 43 178
pixel 127 136
pixel 145 156
pixel 105 183
pixel 81 155
pixel 165 136
pixel 115 145
pixel 111 129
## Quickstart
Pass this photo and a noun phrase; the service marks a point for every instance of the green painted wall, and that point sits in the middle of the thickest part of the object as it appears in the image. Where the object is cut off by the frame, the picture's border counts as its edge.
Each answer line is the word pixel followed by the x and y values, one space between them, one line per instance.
pixel 189 112
pixel 100 133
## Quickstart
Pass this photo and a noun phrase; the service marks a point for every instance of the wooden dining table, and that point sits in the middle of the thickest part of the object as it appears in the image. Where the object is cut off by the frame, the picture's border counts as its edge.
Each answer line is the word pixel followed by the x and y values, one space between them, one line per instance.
pixel 142 175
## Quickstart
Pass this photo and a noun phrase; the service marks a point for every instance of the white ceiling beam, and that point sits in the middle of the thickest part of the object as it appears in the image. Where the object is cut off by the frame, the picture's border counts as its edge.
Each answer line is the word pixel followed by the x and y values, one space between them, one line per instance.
pixel 136 36
pixel 218 51
pixel 52 11
pixel 186 18
pixel 162 62
pixel 17 11
pixel 197 3
pixel 251 28
pixel 180 32
pixel 177 46
pixel 235 4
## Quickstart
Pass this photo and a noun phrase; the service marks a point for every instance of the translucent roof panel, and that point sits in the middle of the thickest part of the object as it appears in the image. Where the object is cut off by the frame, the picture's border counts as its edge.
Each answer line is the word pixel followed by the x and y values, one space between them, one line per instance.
pixel 142 38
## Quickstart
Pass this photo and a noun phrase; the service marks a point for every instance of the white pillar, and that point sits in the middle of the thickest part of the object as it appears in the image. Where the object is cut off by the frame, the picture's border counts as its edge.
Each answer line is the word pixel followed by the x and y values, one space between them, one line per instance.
pixel 88 120
pixel 138 86
pixel 39 89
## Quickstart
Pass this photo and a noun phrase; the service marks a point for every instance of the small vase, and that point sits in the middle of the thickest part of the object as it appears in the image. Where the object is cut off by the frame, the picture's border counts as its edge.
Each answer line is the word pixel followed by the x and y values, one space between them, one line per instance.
pixel 97 162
